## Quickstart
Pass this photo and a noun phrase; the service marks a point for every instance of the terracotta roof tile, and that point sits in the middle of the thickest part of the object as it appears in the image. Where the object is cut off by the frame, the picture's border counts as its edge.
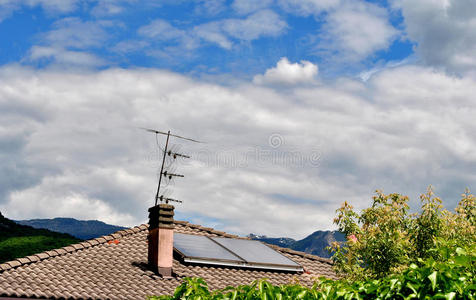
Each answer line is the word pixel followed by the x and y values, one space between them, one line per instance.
pixel 97 269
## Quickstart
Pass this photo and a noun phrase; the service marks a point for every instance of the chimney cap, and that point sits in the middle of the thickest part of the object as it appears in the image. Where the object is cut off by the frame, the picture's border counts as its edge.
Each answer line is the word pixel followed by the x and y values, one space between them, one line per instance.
pixel 161 216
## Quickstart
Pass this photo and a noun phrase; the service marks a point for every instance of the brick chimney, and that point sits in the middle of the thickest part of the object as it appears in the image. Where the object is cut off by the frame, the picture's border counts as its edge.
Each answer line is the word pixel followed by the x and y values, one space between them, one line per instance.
pixel 161 238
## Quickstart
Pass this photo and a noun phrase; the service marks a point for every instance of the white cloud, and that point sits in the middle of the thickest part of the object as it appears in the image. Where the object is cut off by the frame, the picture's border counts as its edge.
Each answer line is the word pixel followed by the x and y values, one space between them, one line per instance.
pixel 356 30
pixel 161 29
pixel 212 32
pixel 351 31
pixel 444 32
pixel 7 7
pixel 261 23
pixel 67 43
pixel 61 56
pixel 249 6
pixel 308 7
pixel 62 6
pixel 288 73
pixel 280 161
pixel 210 7
pixel 72 32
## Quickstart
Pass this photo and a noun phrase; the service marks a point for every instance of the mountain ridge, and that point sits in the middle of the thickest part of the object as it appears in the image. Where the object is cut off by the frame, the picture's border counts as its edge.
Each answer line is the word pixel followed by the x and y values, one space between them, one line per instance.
pixel 82 229
pixel 17 240
pixel 315 243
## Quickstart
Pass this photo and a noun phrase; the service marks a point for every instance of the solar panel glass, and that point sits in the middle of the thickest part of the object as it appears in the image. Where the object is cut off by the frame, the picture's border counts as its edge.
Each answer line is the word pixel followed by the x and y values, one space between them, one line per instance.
pixel 197 246
pixel 255 252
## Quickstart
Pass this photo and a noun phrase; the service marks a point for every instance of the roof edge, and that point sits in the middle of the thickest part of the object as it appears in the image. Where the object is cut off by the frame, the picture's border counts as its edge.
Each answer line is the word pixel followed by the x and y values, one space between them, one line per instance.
pixel 125 232
pixel 70 248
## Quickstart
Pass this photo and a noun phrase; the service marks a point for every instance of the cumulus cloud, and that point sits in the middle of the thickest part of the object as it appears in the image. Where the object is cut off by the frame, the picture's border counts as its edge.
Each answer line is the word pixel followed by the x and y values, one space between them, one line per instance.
pixel 443 31
pixel 356 30
pixel 278 161
pixel 351 31
pixel 288 73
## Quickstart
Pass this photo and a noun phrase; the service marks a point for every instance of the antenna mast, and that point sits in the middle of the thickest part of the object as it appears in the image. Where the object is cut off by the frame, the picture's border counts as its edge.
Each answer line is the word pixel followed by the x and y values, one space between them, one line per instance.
pixel 166 173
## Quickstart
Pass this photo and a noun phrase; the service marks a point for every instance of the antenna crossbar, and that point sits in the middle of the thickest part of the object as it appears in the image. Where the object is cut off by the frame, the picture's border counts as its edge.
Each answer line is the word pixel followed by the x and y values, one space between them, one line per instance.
pixel 169 153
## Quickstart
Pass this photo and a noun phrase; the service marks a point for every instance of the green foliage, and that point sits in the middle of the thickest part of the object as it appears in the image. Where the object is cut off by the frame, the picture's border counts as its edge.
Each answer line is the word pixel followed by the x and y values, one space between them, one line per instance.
pixel 20 241
pixel 16 247
pixel 451 278
pixel 386 239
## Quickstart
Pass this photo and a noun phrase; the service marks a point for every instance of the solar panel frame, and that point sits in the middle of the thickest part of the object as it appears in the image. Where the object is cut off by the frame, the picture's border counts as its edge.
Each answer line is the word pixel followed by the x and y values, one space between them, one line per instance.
pixel 203 250
pixel 257 254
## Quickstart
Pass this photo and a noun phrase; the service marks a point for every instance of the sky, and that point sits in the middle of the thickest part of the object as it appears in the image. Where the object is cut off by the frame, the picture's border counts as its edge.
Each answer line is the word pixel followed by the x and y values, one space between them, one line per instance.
pixel 300 104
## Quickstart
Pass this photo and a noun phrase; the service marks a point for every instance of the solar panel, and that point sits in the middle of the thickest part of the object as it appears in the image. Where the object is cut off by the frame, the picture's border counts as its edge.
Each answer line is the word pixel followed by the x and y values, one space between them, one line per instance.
pixel 198 247
pixel 231 252
pixel 255 252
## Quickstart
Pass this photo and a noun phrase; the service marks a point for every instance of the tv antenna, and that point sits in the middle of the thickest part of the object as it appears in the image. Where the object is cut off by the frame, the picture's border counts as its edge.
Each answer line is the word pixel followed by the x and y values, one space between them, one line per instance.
pixel 168 174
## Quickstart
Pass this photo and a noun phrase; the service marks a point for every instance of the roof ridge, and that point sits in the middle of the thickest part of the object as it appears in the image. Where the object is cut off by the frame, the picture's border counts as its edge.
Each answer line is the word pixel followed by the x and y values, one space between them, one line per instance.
pixel 209 230
pixel 125 232
pixel 301 253
pixel 70 248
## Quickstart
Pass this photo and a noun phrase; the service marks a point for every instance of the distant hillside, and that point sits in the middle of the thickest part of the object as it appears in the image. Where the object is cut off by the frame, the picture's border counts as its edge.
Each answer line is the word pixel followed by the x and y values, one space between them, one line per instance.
pixel 84 230
pixel 315 243
pixel 19 240
pixel 282 242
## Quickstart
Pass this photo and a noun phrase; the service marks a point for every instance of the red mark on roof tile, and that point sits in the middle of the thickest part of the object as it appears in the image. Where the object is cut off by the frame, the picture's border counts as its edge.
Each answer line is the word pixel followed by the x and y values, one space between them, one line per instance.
pixel 113 242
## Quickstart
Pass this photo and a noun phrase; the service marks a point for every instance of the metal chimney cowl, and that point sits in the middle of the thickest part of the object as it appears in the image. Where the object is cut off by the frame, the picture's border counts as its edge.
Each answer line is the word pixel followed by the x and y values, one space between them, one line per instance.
pixel 161 239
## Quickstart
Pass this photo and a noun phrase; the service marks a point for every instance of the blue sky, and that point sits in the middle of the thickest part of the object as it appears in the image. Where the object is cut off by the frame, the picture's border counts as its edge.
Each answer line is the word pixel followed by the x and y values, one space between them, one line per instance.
pixel 240 37
pixel 303 105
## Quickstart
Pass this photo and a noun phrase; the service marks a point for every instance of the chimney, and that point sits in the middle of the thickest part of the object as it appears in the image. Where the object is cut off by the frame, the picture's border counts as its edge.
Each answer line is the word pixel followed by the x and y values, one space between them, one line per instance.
pixel 161 238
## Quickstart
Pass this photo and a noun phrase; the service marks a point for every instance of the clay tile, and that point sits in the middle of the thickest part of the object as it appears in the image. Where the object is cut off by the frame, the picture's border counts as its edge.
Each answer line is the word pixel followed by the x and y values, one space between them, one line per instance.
pixel 108 237
pixel 93 242
pixel 68 248
pixel 180 222
pixel 86 244
pixel 117 235
pixel 60 251
pixel 143 227
pixel 100 240
pixel 33 258
pixel 51 253
pixel 24 260
pixel 77 246
pixel 135 229
pixel 4 267
pixel 42 255
pixel 13 263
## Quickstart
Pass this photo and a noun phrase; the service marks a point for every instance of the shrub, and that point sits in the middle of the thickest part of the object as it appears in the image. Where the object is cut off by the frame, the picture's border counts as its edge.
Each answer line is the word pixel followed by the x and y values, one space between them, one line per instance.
pixel 452 278
pixel 385 238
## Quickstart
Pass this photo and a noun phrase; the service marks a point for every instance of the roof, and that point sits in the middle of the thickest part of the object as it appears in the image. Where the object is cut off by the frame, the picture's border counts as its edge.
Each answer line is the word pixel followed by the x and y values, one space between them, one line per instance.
pixel 115 267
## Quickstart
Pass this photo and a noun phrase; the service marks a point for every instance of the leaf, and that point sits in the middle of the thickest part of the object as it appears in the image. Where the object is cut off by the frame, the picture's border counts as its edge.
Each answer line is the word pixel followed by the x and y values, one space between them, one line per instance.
pixel 432 278
pixel 450 296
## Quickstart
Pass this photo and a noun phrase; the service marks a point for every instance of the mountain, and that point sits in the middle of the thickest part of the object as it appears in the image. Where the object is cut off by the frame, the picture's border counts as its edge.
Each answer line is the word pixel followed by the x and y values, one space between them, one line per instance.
pixel 84 230
pixel 18 240
pixel 282 242
pixel 314 243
